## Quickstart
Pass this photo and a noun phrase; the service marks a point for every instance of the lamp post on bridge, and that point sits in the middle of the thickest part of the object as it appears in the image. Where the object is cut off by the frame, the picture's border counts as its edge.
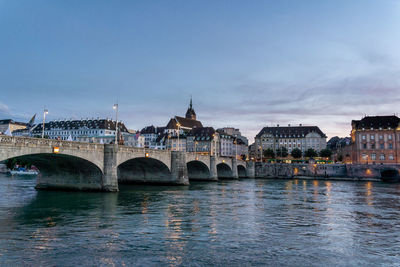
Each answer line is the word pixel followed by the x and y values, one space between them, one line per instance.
pixel 195 148
pixel 179 133
pixel 116 122
pixel 236 148
pixel 45 112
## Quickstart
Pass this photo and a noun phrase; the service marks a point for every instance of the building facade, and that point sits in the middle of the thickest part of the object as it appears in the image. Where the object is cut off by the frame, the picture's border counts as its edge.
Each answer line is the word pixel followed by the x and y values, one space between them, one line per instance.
pixel 9 126
pixel 86 130
pixel 204 140
pixel 375 139
pixel 151 135
pixel 232 143
pixel 290 137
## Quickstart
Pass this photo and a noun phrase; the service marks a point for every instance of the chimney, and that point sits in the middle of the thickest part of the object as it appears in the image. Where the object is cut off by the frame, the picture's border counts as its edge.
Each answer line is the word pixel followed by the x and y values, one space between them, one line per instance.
pixel 300 124
pixel 277 125
pixel 288 125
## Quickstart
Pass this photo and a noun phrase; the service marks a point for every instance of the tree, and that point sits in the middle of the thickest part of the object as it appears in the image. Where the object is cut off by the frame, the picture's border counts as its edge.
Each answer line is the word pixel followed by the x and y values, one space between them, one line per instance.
pixel 325 153
pixel 311 153
pixel 282 152
pixel 296 153
pixel 269 153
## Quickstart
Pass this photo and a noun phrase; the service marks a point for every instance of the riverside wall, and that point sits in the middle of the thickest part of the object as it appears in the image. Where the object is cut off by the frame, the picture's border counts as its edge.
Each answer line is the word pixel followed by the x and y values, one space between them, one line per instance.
pixel 354 172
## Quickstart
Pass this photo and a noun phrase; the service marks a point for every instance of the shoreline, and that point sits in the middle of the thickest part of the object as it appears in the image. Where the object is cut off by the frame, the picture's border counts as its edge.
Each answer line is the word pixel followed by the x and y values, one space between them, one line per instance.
pixel 353 179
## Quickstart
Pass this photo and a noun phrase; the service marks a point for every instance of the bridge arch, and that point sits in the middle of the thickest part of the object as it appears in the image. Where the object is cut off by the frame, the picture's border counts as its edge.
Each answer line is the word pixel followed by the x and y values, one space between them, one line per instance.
pixel 62 171
pixel 390 175
pixel 143 169
pixel 198 170
pixel 241 171
pixel 224 171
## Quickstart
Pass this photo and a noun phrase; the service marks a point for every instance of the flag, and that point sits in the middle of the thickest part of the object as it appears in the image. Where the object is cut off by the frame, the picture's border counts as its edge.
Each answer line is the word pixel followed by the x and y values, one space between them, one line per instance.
pixel 32 121
pixel 8 132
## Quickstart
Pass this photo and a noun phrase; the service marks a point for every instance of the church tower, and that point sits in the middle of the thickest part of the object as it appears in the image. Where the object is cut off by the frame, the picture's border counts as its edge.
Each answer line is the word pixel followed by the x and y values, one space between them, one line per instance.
pixel 190 114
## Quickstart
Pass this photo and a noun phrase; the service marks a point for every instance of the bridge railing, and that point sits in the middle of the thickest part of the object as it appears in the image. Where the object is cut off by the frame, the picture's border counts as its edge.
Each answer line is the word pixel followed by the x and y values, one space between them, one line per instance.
pixel 31 141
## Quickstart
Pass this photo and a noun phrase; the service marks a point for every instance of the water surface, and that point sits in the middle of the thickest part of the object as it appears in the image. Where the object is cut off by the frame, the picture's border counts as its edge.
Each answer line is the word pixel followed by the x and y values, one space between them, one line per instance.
pixel 235 223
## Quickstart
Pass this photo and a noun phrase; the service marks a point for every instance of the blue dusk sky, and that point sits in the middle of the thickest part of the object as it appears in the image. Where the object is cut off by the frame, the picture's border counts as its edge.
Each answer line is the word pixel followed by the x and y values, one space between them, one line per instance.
pixel 247 64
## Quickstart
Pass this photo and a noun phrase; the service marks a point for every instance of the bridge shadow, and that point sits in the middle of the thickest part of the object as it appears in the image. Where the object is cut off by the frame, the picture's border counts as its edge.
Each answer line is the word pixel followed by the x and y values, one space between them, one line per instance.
pixel 143 170
pixel 198 171
pixel 241 171
pixel 64 172
pixel 224 171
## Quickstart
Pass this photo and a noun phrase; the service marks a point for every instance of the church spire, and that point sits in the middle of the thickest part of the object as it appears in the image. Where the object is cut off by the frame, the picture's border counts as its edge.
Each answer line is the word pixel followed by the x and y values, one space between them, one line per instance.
pixel 190 114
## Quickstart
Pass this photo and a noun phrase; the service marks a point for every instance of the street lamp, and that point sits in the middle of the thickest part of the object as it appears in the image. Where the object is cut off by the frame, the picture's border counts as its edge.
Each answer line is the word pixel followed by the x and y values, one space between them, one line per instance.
pixel 215 150
pixel 179 133
pixel 116 122
pixel 45 112
pixel 236 148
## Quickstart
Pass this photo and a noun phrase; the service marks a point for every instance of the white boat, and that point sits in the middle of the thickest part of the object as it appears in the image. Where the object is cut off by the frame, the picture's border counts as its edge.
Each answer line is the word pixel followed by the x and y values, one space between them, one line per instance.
pixel 24 172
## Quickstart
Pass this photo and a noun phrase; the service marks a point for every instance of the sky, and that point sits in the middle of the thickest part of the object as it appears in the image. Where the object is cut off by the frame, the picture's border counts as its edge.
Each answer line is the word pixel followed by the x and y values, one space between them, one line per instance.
pixel 247 64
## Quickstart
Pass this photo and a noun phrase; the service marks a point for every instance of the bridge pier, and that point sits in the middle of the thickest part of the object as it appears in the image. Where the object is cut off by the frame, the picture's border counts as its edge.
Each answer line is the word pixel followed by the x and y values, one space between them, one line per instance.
pixel 110 177
pixel 250 169
pixel 213 169
pixel 235 174
pixel 179 173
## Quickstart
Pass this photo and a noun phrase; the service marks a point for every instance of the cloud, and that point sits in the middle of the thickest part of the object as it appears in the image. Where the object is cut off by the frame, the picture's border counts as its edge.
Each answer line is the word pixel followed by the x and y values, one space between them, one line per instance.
pixel 328 103
pixel 4 108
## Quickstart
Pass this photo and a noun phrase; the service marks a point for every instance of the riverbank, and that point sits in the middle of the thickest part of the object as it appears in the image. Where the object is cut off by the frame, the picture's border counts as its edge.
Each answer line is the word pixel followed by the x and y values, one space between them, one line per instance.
pixel 354 179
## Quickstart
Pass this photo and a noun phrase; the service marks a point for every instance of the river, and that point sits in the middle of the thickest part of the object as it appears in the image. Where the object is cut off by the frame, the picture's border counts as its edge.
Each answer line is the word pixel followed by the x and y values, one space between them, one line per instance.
pixel 228 223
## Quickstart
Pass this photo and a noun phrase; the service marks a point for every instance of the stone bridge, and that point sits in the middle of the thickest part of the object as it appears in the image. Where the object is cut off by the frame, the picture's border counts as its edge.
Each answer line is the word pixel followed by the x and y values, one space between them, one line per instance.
pixel 89 166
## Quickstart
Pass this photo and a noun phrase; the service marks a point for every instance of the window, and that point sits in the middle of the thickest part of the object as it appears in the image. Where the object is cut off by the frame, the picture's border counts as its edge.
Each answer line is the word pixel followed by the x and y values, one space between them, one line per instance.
pixel 381 137
pixel 373 156
pixel 372 146
pixel 389 137
pixel 364 156
pixel 390 146
pixel 363 137
pixel 372 137
pixel 391 157
pixel 365 146
pixel 382 146
pixel 382 157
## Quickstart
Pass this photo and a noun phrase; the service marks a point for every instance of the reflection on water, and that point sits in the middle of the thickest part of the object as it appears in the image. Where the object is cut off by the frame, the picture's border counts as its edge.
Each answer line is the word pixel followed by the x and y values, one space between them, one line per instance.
pixel 246 222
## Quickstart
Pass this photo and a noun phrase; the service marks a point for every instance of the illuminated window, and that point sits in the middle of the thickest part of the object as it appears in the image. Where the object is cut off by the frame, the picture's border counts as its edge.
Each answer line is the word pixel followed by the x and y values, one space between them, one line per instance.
pixel 363 137
pixel 372 137
pixel 373 156
pixel 390 137
pixel 382 157
pixel 391 157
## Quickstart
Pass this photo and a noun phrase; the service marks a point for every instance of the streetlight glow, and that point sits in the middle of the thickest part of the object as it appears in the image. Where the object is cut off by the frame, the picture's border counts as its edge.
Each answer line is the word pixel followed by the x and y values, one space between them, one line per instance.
pixel 45 112
pixel 115 107
pixel 179 133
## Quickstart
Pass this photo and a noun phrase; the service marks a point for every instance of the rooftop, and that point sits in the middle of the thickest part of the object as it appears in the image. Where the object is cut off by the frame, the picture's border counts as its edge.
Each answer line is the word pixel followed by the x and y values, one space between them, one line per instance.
pixel 291 131
pixel 79 124
pixel 376 122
